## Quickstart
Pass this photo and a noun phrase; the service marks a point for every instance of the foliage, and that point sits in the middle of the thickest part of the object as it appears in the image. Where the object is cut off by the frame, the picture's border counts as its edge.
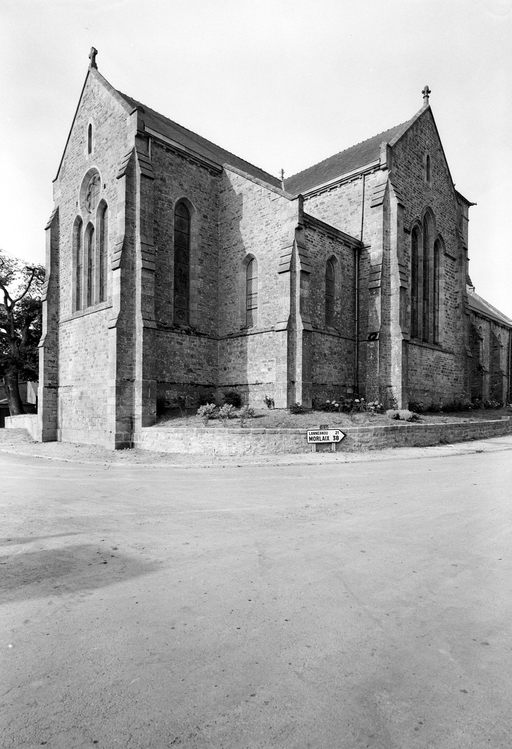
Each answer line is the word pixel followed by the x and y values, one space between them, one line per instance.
pixel 455 407
pixel 350 405
pixel 207 411
pixel 297 409
pixel 226 412
pixel 269 402
pixel 245 413
pixel 233 398
pixel 20 324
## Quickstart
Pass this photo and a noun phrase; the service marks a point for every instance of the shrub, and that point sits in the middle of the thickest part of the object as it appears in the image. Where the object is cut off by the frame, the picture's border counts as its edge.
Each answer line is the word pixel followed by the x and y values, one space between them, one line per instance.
pixel 226 412
pixel 417 406
pixel 246 412
pixel 350 405
pixel 181 402
pixel 233 398
pixel 206 412
pixel 269 402
pixel 297 409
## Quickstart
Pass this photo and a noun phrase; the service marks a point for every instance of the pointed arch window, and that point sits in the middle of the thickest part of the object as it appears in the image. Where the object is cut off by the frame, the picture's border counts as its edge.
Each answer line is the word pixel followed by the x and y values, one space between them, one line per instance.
pixel 251 293
pixel 437 285
pixel 415 281
pixel 182 264
pixel 426 279
pixel 428 175
pixel 102 226
pixel 89 275
pixel 330 277
pixel 78 263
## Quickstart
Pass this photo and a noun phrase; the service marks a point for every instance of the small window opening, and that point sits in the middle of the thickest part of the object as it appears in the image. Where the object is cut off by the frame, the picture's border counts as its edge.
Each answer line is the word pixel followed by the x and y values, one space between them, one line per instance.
pixel 251 293
pixel 89 139
pixel 181 264
pixel 329 293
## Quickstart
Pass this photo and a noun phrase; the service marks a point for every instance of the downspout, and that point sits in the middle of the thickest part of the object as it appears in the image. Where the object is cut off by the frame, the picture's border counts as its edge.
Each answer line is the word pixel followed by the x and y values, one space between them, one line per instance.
pixel 357 263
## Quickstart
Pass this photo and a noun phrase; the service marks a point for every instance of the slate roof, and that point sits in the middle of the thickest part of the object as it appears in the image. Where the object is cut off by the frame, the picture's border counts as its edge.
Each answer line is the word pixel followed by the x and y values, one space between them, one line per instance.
pixel 343 162
pixel 198 145
pixel 481 307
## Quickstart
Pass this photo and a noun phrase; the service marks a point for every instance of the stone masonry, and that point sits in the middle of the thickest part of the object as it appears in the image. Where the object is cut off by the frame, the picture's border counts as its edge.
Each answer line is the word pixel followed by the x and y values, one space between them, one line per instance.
pixel 177 271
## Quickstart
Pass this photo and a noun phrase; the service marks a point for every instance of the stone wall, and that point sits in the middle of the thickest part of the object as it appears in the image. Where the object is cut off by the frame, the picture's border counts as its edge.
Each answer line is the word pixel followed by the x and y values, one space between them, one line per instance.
pixel 225 441
pixel 435 372
pixel 84 352
pixel 489 359
pixel 255 221
pixel 24 421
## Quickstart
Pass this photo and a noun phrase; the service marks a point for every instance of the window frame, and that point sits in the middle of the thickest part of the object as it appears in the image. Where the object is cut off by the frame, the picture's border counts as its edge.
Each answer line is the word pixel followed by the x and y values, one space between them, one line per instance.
pixel 330 292
pixel 182 310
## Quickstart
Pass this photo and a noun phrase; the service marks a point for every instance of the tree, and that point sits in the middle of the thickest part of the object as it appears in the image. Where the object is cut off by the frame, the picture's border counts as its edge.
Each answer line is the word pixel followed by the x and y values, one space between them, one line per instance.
pixel 20 325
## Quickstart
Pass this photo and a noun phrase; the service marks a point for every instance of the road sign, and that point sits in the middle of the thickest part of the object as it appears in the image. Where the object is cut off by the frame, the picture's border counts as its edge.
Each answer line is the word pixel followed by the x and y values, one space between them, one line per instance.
pixel 324 435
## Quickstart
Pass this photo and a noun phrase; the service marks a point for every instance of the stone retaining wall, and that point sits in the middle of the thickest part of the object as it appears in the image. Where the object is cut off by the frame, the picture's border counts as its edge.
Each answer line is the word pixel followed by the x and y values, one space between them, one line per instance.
pixel 272 441
pixel 23 421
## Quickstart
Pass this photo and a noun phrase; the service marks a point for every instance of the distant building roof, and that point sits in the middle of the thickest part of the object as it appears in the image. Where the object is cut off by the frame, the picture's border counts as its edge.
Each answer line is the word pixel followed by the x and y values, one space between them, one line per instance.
pixel 195 143
pixel 344 162
pixel 481 307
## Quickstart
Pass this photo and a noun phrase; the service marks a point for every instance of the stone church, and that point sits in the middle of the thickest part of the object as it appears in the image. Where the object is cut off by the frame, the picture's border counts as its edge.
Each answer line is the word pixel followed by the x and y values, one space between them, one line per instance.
pixel 177 269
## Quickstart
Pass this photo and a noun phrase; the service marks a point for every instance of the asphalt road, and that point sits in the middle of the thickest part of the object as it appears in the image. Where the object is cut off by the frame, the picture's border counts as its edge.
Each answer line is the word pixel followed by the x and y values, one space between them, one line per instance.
pixel 331 606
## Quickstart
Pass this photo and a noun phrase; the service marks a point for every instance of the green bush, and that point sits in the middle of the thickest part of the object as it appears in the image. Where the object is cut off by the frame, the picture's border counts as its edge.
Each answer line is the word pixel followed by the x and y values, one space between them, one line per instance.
pixel 226 412
pixel 207 411
pixel 246 412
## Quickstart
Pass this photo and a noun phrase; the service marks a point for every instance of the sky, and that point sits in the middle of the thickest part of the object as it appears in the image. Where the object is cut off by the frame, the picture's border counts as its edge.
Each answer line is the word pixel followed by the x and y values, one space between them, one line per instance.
pixel 281 83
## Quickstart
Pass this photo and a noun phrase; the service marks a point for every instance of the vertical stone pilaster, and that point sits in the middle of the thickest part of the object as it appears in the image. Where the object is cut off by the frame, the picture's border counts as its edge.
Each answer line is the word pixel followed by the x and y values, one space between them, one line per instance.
pixel 145 381
pixel 121 376
pixel 47 410
pixel 396 307
pixel 293 346
pixel 376 340
pixel 281 327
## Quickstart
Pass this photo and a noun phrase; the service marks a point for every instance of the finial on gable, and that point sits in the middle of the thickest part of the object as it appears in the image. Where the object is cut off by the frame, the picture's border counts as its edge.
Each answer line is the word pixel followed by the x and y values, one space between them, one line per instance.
pixel 92 58
pixel 282 179
pixel 426 93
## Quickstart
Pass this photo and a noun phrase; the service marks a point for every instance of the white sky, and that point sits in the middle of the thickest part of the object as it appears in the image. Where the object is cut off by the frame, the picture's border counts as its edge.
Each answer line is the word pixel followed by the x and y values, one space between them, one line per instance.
pixel 281 83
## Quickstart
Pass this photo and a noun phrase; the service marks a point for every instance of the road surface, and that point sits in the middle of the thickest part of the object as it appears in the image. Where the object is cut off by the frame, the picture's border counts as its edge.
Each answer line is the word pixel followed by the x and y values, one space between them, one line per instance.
pixel 331 606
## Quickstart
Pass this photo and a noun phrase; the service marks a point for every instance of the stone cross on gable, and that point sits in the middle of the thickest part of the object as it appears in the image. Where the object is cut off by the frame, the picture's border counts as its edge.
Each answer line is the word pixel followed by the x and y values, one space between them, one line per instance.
pixel 426 93
pixel 92 57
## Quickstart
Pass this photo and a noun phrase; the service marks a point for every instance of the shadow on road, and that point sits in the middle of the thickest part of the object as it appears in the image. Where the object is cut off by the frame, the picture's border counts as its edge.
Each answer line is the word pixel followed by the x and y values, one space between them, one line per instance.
pixel 14 540
pixel 71 569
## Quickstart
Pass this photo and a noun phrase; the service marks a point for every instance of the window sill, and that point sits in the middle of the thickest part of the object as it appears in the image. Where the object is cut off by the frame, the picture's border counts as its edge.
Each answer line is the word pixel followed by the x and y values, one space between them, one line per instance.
pixel 87 311
pixel 425 344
